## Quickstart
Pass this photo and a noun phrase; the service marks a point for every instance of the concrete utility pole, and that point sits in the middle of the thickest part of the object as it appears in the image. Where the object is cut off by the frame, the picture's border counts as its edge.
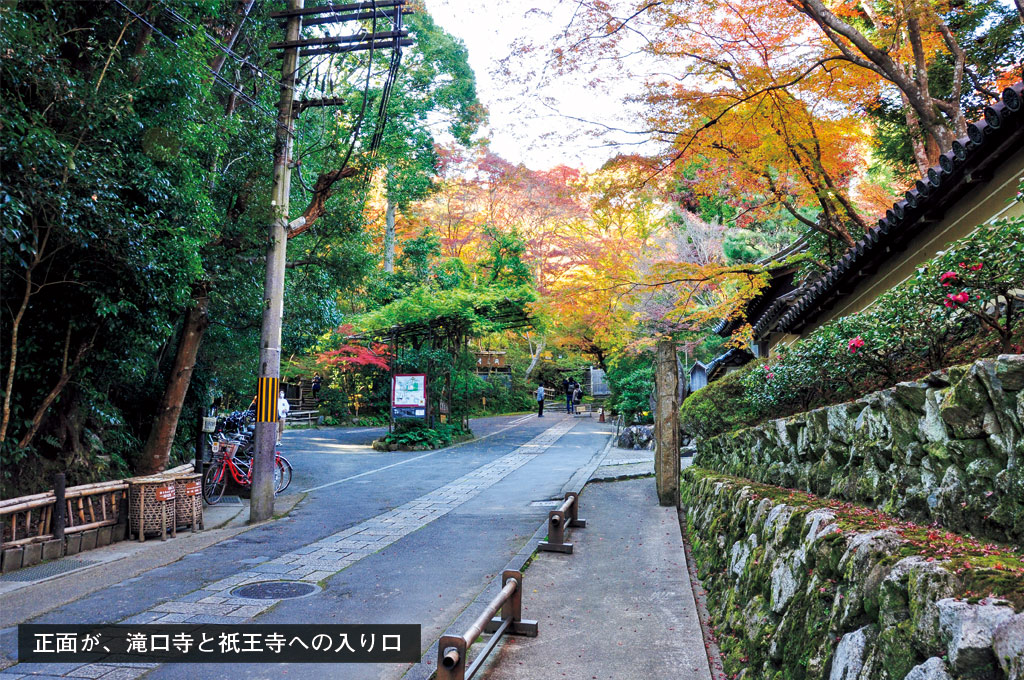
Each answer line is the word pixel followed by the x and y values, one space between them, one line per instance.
pixel 262 501
pixel 666 423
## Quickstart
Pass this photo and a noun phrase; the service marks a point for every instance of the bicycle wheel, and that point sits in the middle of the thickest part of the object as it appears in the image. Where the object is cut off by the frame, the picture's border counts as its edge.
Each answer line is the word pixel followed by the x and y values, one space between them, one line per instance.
pixel 283 470
pixel 214 483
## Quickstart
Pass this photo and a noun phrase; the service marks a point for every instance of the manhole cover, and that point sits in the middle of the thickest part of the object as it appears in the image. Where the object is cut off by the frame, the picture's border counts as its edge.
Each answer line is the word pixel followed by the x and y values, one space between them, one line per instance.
pixel 275 590
pixel 46 570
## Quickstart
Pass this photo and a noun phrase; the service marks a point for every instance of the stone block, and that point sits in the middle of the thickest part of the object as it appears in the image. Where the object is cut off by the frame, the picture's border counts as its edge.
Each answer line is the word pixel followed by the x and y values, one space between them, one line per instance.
pixel 118 532
pixel 103 536
pixel 52 549
pixel 11 559
pixel 33 554
pixel 88 539
pixel 1008 644
pixel 73 544
pixel 969 629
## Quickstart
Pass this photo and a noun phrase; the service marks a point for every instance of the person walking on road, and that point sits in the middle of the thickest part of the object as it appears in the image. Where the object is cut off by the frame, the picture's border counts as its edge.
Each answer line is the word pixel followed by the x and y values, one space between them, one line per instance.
pixel 540 401
pixel 283 407
pixel 567 387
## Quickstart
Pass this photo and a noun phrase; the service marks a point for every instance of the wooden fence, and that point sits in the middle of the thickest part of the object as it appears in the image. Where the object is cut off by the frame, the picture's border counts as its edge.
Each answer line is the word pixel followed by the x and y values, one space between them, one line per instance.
pixel 55 517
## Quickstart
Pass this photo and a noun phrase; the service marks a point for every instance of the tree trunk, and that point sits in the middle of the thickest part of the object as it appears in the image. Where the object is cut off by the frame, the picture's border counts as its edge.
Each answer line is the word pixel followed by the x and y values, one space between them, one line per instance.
pixel 535 358
pixel 65 375
pixel 243 12
pixel 158 447
pixel 389 239
pixel 666 424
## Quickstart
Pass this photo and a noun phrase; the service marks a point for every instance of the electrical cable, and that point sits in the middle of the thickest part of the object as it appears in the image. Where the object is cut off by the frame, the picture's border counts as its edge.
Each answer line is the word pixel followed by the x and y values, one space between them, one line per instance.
pixel 217 78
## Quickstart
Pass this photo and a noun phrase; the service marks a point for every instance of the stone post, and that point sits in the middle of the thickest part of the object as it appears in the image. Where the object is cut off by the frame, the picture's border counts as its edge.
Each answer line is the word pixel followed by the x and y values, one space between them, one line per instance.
pixel 666 423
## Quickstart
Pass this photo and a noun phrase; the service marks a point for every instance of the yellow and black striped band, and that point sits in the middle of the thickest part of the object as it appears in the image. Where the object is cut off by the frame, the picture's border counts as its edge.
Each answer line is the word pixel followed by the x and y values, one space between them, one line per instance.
pixel 266 400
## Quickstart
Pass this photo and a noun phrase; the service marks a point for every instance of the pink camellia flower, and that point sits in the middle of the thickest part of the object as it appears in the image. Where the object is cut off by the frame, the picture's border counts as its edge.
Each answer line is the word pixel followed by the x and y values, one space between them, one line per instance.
pixel 771 375
pixel 946 278
pixel 976 267
pixel 856 344
pixel 961 297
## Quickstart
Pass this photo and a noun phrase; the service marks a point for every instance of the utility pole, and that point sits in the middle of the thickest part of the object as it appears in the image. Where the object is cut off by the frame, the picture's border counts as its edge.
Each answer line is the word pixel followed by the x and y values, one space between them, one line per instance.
pixel 262 500
pixel 293 47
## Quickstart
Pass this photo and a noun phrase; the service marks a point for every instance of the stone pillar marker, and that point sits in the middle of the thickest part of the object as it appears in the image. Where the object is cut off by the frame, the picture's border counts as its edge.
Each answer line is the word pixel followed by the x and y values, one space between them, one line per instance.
pixel 666 423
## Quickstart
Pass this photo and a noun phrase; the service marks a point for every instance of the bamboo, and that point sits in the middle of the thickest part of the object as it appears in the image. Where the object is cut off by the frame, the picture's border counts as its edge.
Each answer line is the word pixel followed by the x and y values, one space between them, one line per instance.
pixel 92 508
pixel 28 505
pixel 93 489
pixel 26 541
pixel 92 525
pixel 14 527
pixel 24 499
pixel 81 511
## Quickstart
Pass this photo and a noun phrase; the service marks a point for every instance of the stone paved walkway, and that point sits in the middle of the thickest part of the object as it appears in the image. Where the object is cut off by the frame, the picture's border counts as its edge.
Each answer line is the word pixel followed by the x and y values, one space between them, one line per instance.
pixel 216 602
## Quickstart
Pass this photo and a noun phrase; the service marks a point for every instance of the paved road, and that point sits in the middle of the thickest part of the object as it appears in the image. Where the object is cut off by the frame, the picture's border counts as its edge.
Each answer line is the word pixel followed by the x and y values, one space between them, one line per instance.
pixel 394 537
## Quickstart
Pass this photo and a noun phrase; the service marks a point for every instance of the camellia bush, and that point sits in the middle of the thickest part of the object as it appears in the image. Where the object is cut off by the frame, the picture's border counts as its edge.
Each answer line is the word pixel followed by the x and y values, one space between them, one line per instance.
pixel 964 304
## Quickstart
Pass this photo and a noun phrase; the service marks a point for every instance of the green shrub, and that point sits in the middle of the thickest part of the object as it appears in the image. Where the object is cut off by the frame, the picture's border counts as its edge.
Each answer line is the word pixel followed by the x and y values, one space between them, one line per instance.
pixel 414 432
pixel 631 384
pixel 719 407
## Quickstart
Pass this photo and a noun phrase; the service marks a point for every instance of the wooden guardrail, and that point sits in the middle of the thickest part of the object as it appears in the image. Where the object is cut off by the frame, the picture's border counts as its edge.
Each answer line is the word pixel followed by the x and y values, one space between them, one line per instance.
pixel 452 650
pixel 559 521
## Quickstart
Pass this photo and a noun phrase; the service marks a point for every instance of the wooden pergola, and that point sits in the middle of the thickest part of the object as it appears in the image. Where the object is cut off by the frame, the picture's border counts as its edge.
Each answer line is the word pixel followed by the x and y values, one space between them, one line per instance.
pixel 450 333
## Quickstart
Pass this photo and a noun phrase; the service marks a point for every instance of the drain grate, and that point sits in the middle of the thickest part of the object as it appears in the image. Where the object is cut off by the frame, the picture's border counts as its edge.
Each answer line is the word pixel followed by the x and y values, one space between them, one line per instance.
pixel 46 570
pixel 275 590
pixel 545 504
pixel 230 500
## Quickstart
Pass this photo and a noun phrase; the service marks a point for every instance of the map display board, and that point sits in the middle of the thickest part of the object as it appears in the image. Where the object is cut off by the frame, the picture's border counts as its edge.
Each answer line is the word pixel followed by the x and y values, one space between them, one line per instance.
pixel 409 396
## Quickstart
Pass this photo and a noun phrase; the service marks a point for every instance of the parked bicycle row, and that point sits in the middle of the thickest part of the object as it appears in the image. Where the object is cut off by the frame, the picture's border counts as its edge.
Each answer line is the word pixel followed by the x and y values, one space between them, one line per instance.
pixel 232 451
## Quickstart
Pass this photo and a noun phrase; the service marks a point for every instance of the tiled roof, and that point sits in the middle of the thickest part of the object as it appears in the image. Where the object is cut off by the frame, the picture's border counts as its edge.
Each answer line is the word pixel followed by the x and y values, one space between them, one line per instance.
pixel 988 143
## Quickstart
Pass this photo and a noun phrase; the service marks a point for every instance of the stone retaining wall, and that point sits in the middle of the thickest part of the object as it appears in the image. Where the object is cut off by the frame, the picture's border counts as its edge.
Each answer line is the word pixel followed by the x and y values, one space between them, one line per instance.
pixel 948 449
pixel 796 594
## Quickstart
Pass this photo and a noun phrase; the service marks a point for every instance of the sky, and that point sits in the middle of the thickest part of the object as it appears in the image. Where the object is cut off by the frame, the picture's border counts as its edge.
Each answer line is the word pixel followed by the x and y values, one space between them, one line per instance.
pixel 522 128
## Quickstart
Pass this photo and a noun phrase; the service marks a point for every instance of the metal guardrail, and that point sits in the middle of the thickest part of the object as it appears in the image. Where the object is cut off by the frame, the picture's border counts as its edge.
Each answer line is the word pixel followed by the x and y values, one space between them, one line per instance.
pixel 452 650
pixel 567 515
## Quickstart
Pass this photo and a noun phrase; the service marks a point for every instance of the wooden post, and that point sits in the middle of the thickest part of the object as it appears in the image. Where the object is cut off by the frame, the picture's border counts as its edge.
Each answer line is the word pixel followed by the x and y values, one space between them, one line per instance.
pixel 666 423
pixel 59 509
pixel 200 441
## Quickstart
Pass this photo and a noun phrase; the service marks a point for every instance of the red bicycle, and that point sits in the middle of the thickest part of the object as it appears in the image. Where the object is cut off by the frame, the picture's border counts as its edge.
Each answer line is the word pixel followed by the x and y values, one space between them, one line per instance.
pixel 226 462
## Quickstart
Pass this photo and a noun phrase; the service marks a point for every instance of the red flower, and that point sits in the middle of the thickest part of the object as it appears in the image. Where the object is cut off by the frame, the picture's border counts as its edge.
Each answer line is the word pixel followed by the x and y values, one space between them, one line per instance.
pixel 976 267
pixel 947 277
pixel 856 344
pixel 960 297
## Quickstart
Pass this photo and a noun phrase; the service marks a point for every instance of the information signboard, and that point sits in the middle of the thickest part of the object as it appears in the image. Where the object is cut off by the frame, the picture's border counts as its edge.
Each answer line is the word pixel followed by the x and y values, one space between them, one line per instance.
pixel 409 396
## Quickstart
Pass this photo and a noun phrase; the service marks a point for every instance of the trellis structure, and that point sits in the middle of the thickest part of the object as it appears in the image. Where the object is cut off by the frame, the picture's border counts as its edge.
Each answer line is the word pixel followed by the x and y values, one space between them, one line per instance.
pixel 450 333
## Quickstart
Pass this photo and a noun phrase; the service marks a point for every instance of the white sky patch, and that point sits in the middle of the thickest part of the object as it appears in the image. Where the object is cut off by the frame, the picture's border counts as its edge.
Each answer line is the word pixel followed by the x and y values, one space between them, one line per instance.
pixel 534 122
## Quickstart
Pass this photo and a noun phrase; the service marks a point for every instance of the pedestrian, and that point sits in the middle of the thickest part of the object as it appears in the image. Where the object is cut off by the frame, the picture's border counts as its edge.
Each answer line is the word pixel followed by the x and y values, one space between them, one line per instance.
pixel 283 407
pixel 577 397
pixel 316 387
pixel 567 386
pixel 540 400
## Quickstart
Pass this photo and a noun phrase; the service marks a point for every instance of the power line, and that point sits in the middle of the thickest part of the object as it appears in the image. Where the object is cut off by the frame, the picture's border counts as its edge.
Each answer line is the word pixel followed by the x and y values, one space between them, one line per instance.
pixel 217 77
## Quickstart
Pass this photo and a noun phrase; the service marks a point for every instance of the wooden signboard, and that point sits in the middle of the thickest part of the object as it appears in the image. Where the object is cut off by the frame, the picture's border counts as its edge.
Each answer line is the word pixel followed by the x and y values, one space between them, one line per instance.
pixel 490 360
pixel 193 488
pixel 164 493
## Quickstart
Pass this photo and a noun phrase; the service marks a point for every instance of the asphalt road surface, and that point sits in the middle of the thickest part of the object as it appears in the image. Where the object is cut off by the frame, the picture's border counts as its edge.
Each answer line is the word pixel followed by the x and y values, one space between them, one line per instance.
pixel 458 515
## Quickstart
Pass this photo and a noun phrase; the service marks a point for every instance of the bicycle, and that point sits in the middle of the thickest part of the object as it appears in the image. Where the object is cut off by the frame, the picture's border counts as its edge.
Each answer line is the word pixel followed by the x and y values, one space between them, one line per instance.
pixel 240 468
